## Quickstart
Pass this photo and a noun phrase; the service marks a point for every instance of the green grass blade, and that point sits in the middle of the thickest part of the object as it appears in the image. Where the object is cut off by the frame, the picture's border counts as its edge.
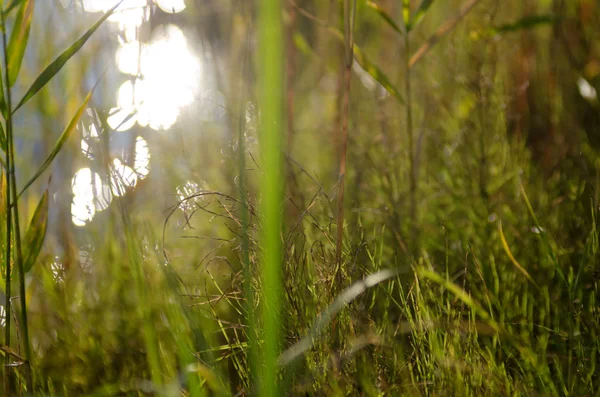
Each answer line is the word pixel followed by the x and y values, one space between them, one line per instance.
pixel 3 106
pixel 527 22
pixel 406 12
pixel 59 144
pixel 376 73
pixel 18 40
pixel 512 257
pixel 385 16
pixel 36 232
pixel 460 294
pixel 542 235
pixel 2 137
pixel 14 4
pixel 271 105
pixel 419 14
pixel 342 300
pixel 62 59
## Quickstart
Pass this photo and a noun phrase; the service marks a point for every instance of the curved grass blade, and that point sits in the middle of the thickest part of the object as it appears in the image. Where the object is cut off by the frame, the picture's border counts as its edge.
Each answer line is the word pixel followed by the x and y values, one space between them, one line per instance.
pixel 343 299
pixel 461 295
pixel 542 236
pixel 512 258
pixel 385 16
pixel 59 144
pixel 419 14
pixel 62 59
pixel 36 232
pixel 18 40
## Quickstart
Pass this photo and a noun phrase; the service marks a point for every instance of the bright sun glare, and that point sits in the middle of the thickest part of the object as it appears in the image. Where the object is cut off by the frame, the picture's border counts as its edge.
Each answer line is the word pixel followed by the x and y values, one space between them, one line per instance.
pixel 163 77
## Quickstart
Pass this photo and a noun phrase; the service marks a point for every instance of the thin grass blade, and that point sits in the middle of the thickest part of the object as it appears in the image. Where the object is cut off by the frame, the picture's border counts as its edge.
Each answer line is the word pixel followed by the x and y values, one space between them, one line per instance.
pixel 3 106
pixel 2 138
pixel 511 256
pixel 14 4
pixel 18 40
pixel 59 144
pixel 419 14
pixel 376 73
pixel 3 191
pixel 542 235
pixel 443 30
pixel 36 232
pixel 528 22
pixel 406 12
pixel 461 295
pixel 342 300
pixel 62 59
pixel 385 16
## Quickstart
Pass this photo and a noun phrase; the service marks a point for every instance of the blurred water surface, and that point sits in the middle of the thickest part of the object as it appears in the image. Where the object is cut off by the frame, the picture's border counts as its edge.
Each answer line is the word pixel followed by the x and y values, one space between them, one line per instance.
pixel 156 127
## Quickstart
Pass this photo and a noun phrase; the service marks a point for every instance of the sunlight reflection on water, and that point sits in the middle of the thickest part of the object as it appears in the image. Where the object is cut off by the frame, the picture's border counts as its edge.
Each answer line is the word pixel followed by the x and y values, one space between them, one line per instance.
pixel 167 79
pixel 163 78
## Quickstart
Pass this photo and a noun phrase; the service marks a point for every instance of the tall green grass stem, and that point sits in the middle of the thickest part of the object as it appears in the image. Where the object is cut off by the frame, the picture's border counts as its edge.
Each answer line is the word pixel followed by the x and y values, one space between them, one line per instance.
pixel 11 181
pixel 271 101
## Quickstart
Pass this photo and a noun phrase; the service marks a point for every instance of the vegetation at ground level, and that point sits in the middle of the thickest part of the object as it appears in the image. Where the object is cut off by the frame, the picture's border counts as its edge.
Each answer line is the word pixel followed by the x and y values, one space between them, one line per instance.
pixel 419 216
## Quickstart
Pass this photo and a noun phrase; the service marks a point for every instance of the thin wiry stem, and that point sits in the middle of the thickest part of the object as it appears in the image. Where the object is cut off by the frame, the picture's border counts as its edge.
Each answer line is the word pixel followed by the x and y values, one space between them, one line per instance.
pixel 349 12
pixel 444 29
pixel 413 183
pixel 252 355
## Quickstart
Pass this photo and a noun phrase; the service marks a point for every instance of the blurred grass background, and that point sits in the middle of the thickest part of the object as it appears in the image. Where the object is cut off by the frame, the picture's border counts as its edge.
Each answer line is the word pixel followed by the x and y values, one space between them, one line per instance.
pixel 495 280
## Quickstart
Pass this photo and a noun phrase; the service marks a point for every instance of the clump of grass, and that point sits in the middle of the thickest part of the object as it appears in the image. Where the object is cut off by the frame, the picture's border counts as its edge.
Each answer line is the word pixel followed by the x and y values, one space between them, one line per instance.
pixel 495 293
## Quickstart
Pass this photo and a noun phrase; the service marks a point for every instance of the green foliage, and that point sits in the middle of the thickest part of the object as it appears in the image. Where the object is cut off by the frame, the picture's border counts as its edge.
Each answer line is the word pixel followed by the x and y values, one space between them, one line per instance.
pixel 36 232
pixel 271 101
pixel 18 40
pixel 419 13
pixel 527 22
pixel 235 297
pixel 62 139
pixel 385 16
pixel 56 65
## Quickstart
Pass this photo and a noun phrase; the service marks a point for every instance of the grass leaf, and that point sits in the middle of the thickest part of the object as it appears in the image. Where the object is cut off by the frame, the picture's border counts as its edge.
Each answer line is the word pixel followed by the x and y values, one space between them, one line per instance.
pixel 406 12
pixel 3 191
pixel 18 40
pixel 419 14
pixel 376 73
pixel 12 6
pixel 443 30
pixel 385 16
pixel 511 256
pixel 527 22
pixel 460 294
pixel 3 145
pixel 3 107
pixel 542 235
pixel 59 144
pixel 36 232
pixel 62 59
pixel 343 299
